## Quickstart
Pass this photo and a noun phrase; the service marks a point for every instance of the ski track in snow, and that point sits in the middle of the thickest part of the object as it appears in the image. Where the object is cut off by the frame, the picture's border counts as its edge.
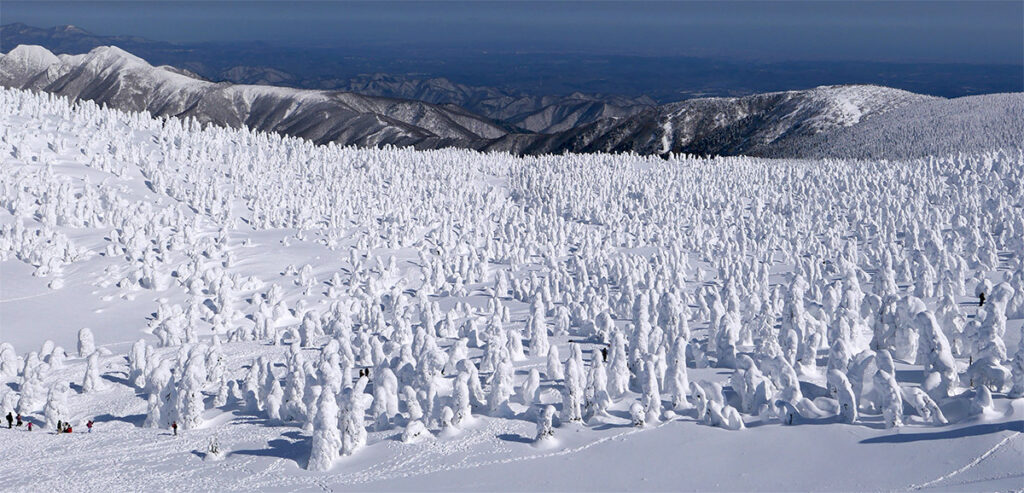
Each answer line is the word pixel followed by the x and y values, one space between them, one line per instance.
pixel 968 466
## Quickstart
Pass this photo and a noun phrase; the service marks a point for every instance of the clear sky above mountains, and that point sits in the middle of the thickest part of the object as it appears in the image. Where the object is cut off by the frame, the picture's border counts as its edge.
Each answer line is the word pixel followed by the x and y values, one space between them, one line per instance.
pixel 908 31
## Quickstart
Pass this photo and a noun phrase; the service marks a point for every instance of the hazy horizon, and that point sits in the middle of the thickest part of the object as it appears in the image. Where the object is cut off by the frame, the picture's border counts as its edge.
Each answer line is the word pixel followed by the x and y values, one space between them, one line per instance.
pixel 990 32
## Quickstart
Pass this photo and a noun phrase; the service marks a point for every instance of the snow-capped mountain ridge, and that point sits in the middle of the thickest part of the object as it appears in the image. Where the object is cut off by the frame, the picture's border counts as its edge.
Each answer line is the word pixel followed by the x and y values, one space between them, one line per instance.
pixel 115 77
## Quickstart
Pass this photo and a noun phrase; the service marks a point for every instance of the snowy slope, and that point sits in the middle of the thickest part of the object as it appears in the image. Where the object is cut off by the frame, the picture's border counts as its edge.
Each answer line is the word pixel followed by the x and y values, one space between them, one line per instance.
pixel 937 127
pixel 250 251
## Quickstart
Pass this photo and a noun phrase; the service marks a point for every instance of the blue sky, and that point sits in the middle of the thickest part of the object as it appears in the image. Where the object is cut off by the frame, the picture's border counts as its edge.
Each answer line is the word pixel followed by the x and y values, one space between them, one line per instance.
pixel 974 31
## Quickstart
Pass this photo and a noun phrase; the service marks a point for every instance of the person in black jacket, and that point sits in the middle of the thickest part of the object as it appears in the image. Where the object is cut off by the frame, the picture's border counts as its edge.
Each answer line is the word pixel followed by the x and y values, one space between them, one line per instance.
pixel 10 421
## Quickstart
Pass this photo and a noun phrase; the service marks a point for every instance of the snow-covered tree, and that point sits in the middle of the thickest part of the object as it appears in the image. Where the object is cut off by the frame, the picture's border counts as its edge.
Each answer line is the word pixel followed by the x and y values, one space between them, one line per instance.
pixel 891 398
pixel 190 404
pixel 554 365
pixel 56 406
pixel 92 382
pixel 327 442
pixel 573 391
pixel 86 343
pixel 839 386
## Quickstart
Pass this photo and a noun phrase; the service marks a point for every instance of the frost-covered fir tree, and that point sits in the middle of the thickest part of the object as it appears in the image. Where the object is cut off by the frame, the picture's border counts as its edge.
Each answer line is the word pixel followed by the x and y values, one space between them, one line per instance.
pixel 619 373
pixel 839 386
pixel 327 442
pixel 554 365
pixel 86 343
pixel 538 329
pixel 462 404
pixel 677 381
pixel 92 382
pixel 891 398
pixel 572 391
pixel 137 364
pixel 56 406
pixel 190 403
pixel 385 397
pixel 545 429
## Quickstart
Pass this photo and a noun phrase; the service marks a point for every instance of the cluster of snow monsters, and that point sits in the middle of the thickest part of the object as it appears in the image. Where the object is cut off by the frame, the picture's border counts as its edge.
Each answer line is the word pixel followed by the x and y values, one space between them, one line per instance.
pixel 809 281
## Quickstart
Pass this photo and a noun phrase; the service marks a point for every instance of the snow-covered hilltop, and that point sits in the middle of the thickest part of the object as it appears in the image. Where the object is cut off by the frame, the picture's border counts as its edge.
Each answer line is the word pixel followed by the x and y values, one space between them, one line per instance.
pixel 838 121
pixel 326 317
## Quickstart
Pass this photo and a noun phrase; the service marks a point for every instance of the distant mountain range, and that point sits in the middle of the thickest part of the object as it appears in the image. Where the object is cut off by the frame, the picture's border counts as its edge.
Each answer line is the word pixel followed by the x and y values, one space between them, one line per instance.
pixel 855 120
pixel 532 113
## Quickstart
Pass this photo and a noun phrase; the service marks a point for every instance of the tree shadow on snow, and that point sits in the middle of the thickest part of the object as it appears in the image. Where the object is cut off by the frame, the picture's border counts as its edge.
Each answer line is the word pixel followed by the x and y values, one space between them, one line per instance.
pixel 117 380
pixel 294 435
pixel 611 426
pixel 511 437
pixel 910 376
pixel 133 419
pixel 297 450
pixel 812 390
pixel 967 431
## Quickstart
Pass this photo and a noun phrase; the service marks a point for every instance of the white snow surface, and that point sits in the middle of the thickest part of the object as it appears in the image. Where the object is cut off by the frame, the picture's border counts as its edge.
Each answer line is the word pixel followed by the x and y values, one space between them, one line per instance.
pixel 113 210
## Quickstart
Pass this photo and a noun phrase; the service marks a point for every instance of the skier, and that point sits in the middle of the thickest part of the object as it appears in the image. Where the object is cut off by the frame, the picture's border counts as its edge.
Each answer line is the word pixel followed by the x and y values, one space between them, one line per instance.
pixel 67 428
pixel 604 354
pixel 29 426
pixel 89 425
pixel 174 426
pixel 18 421
pixel 981 299
pixel 10 421
pixel 60 426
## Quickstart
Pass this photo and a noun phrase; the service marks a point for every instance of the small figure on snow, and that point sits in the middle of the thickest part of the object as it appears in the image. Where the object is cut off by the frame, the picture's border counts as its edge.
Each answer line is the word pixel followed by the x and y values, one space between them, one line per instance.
pixel 29 426
pixel 10 420
pixel 174 426
pixel 88 425
pixel 17 420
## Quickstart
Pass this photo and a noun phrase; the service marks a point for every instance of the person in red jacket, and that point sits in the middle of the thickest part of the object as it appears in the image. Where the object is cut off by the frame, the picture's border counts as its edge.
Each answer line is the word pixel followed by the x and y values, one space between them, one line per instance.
pixel 68 429
pixel 89 425
pixel 29 426
pixel 174 426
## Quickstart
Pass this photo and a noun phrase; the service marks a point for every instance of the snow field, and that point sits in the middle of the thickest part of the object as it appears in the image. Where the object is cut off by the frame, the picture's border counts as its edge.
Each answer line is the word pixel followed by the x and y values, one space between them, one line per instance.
pixel 779 325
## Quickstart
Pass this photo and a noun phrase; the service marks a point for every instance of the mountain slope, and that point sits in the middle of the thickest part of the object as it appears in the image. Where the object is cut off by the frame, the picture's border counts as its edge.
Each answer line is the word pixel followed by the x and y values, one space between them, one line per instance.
pixel 115 77
pixel 542 114
pixel 723 126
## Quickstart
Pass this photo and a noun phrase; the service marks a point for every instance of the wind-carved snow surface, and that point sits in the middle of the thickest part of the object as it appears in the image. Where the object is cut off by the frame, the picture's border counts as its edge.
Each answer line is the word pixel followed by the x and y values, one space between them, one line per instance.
pixel 768 324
